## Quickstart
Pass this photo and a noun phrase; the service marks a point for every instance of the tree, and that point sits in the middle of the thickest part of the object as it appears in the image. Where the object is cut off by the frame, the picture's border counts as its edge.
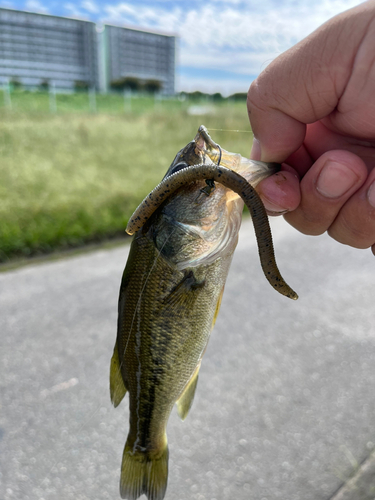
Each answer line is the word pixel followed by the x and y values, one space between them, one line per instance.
pixel 217 97
pixel 124 82
pixel 152 86
pixel 239 96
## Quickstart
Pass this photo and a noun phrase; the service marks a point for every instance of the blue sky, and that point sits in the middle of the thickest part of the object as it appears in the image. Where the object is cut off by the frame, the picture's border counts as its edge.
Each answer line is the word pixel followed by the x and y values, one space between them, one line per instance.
pixel 223 45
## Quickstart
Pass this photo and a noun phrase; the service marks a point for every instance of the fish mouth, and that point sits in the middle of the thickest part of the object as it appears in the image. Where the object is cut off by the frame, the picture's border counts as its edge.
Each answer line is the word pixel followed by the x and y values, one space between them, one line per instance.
pixel 205 145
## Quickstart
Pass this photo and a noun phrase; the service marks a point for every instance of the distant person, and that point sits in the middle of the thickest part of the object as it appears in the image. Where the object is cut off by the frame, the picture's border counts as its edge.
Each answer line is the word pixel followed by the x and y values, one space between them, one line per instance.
pixel 326 81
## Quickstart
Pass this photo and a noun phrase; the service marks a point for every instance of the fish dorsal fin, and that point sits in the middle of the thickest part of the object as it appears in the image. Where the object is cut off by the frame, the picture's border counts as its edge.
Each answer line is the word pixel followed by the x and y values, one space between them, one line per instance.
pixel 186 399
pixel 116 384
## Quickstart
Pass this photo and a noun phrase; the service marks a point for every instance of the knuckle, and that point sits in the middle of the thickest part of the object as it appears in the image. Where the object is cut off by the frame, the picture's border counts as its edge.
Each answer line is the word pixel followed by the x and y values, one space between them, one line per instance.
pixel 318 221
pixel 307 222
pixel 255 99
pixel 350 232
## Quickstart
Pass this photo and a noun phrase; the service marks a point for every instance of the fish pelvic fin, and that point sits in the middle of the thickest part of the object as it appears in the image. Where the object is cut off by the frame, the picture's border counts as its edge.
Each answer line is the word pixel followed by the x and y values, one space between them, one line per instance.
pixel 142 473
pixel 185 401
pixel 218 304
pixel 116 384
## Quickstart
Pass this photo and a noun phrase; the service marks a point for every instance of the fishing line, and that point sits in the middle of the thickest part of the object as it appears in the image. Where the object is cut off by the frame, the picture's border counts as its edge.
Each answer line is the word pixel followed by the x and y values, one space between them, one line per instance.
pixel 130 331
pixel 140 297
pixel 97 410
pixel 229 130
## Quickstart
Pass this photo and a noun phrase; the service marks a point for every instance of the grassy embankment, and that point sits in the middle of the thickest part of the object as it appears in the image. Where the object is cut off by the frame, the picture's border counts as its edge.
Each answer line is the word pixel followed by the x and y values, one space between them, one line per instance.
pixel 75 177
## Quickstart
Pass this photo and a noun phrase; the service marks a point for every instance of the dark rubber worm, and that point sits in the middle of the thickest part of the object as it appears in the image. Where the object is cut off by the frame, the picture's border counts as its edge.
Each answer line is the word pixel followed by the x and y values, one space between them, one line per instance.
pixel 239 185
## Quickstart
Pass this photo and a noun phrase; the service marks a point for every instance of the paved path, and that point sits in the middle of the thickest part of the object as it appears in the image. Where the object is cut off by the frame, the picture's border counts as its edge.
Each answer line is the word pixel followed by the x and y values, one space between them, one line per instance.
pixel 285 403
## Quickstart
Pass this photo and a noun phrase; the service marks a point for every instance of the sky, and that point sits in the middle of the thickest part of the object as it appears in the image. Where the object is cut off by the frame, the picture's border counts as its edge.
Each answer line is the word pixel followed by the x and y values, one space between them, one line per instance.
pixel 222 44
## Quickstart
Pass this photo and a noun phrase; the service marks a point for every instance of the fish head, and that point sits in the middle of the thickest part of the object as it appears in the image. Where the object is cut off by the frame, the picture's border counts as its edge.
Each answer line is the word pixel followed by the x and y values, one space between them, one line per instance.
pixel 207 146
pixel 201 150
pixel 198 223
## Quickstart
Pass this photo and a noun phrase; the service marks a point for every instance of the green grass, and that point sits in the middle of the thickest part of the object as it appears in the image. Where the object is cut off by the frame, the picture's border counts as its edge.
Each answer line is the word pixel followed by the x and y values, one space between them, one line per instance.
pixel 75 177
pixel 23 101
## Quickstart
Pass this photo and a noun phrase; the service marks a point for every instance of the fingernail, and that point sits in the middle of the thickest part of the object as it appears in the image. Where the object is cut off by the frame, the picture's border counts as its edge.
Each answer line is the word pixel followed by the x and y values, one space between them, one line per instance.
pixel 371 195
pixel 335 179
pixel 273 209
pixel 255 150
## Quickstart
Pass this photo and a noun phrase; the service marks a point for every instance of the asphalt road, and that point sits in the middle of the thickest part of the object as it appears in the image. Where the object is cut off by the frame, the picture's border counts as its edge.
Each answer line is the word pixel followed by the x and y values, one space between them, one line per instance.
pixel 285 402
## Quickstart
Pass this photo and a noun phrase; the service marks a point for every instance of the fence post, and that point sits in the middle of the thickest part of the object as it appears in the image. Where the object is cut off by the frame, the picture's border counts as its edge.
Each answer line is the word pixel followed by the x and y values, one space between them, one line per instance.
pixel 52 98
pixel 157 101
pixel 127 100
pixel 7 98
pixel 92 100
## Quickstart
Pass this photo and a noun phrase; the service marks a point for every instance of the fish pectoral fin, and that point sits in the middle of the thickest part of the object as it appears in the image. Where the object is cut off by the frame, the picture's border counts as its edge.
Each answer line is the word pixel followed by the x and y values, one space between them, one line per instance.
pixel 183 293
pixel 116 384
pixel 186 399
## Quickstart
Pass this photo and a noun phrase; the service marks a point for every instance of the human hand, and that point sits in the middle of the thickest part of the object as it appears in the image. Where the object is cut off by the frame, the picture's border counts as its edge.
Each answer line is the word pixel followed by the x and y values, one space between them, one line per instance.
pixel 314 108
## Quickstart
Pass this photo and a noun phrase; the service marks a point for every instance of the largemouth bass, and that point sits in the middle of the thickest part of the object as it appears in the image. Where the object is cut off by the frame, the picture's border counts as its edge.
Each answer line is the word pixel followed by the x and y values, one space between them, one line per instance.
pixel 185 234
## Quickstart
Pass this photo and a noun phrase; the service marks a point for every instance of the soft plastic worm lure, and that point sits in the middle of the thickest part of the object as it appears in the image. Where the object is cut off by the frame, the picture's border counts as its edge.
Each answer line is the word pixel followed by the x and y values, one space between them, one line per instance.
pixel 239 185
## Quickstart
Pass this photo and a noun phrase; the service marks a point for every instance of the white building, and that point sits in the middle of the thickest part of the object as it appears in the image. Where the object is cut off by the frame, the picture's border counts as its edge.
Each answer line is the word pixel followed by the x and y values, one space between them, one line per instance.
pixel 146 55
pixel 39 48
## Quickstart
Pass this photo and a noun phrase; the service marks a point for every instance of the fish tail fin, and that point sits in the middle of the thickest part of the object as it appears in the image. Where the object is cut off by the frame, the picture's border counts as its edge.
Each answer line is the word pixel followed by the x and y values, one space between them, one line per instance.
pixel 142 472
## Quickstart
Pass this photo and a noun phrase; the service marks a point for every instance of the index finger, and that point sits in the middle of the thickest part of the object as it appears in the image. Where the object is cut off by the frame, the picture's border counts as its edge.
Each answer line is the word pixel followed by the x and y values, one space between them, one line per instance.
pixel 304 84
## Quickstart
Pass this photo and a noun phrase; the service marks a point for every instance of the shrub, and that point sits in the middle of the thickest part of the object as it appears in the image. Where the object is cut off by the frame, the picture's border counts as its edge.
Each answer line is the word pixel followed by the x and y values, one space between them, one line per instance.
pixel 81 86
pixel 198 95
pixel 124 82
pixel 44 85
pixel 15 83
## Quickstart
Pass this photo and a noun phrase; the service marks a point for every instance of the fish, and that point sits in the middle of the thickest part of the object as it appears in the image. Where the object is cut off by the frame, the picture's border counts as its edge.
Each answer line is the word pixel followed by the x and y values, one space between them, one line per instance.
pixel 185 234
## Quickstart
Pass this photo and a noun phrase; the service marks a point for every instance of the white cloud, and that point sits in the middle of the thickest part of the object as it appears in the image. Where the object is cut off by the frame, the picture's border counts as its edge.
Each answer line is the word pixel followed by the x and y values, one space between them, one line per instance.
pixel 36 6
pixel 90 6
pixel 232 35
pixel 253 24
pixel 157 18
pixel 73 11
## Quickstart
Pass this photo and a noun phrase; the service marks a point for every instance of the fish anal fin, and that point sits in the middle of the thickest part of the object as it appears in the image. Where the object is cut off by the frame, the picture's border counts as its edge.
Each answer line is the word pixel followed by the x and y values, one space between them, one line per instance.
pixel 116 384
pixel 186 399
pixel 183 294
